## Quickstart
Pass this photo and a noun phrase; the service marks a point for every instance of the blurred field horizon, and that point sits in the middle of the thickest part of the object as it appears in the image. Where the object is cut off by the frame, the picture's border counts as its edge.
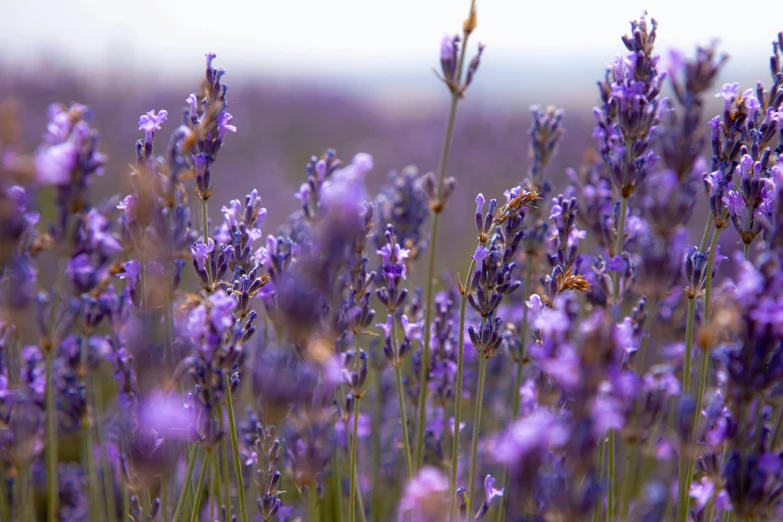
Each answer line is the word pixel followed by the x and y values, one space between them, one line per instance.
pixel 294 94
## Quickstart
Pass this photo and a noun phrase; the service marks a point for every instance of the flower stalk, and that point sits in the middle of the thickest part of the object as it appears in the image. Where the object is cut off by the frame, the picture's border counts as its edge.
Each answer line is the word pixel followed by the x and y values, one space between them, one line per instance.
pixel 437 207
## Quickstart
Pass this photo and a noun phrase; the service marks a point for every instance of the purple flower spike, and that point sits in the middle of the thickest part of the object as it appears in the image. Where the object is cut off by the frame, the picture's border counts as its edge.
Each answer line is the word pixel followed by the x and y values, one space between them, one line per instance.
pixel 480 203
pixel 480 254
pixel 54 165
pixel 409 328
pixel 729 93
pixel 151 122
pixel 394 259
pixel 489 493
pixel 751 104
pixel 734 202
pixel 387 326
pixel 210 56
pixel 130 205
pixel 702 492
pixel 192 102
pixel 221 314
pixel 223 125
pixel 489 490
pixel 448 56
pixel 132 272
pixel 200 252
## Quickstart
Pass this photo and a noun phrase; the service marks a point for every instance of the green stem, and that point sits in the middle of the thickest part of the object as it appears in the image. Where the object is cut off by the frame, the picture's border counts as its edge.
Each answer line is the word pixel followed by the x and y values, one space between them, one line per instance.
pixel 619 248
pixel 200 489
pixel 477 423
pixel 612 471
pixel 235 447
pixel 686 372
pixel 142 276
pixel 355 438
pixel 630 480
pixel 20 490
pixel 612 493
pixel 404 420
pixel 147 503
pixel 204 221
pixel 185 483
pixel 447 138
pixel 458 395
pixel 125 501
pixel 337 486
pixel 5 509
pixel 108 483
pixel 710 510
pixel 425 360
pixel 205 227
pixel 88 462
pixel 444 441
pixel 51 442
pixel 685 465
pixel 652 313
pixel 377 497
pixel 360 502
pixel 759 430
pixel 708 283
pixel 312 497
pixel 706 235
pixel 601 470
pixel 704 356
pixel 226 492
pixel 746 251
pixel 214 485
pixel 778 427
pixel 705 359
pixel 518 379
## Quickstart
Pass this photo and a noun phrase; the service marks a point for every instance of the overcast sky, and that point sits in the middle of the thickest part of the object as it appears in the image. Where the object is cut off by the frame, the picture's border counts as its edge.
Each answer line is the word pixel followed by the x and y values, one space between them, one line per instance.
pixel 361 38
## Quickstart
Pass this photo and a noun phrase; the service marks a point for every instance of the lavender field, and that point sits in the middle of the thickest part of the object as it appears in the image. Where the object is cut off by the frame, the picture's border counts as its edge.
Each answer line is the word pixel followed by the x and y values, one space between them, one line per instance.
pixel 289 303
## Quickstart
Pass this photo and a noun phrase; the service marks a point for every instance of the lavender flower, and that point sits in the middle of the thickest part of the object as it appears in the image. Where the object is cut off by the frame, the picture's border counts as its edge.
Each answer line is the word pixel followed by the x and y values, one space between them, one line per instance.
pixel 631 109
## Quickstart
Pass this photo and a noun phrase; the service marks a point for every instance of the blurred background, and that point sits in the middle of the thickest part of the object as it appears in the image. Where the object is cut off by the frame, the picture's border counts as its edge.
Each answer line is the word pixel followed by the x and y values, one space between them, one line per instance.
pixel 355 75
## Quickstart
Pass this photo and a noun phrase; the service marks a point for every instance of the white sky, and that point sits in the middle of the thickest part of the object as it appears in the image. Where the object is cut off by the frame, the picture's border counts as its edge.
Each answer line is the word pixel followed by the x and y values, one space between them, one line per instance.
pixel 329 38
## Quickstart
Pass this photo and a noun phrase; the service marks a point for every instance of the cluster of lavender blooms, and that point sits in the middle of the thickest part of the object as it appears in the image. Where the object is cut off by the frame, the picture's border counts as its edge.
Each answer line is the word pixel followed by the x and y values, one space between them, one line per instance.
pixel 605 369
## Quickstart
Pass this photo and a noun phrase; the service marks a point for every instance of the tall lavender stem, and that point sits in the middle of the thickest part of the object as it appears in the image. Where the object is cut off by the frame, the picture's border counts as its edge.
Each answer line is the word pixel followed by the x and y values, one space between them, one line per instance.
pixel 224 471
pixel 518 379
pixel 51 440
pixel 312 500
pixel 108 483
pixel 232 426
pixel 337 486
pixel 376 450
pixel 403 415
pixel 437 209
pixel 205 227
pixel 4 506
pixel 684 482
pixel 354 439
pixel 185 483
pixel 200 489
pixel 88 460
pixel 477 423
pixel 458 393
pixel 705 355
